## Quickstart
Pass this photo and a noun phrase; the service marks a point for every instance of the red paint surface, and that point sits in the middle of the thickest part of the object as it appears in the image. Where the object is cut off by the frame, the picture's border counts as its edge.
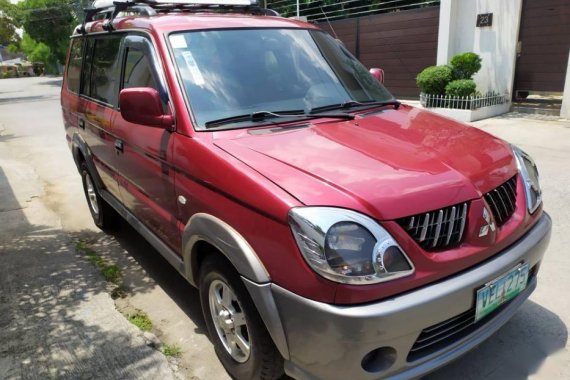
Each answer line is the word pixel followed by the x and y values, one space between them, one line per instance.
pixel 388 164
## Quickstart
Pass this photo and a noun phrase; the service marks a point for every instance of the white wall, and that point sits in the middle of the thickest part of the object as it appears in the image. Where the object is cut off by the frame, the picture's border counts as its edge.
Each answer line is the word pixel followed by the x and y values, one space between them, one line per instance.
pixel 565 110
pixel 495 44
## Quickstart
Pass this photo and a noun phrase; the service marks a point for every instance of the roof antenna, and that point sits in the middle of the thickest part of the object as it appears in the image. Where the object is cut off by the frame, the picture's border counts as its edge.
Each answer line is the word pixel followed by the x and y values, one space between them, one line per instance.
pixel 328 22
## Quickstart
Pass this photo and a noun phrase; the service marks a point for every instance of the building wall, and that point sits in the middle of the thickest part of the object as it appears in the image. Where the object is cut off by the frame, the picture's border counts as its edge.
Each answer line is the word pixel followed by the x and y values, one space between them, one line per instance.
pixel 496 44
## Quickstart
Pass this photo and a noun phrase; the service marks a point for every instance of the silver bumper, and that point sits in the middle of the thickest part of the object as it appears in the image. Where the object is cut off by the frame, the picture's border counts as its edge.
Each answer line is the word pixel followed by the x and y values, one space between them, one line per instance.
pixel 329 342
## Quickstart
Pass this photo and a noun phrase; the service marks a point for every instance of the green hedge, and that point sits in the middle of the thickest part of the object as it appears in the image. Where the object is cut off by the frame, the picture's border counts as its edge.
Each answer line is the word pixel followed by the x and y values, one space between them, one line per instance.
pixel 454 79
pixel 433 79
pixel 460 87
pixel 465 65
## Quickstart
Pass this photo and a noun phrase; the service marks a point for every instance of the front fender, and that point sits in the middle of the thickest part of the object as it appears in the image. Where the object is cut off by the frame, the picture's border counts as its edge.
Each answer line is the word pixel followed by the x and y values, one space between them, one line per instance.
pixel 208 228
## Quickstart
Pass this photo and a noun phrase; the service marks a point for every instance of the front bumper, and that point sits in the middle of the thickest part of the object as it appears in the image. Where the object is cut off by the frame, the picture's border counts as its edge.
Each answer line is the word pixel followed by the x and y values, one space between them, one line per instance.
pixel 329 342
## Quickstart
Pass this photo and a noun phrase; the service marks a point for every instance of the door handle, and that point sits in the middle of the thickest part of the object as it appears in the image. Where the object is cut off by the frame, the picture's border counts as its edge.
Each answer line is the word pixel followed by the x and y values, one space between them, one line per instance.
pixel 119 146
pixel 81 123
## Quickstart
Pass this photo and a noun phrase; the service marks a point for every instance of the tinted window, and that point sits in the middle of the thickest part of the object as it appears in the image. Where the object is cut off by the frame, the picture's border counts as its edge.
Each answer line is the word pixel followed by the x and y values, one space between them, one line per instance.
pixel 237 72
pixel 86 74
pixel 106 70
pixel 137 70
pixel 74 65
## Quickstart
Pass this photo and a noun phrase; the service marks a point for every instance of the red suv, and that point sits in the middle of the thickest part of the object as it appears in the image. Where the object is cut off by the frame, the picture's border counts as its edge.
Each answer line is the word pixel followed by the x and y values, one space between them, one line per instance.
pixel 333 232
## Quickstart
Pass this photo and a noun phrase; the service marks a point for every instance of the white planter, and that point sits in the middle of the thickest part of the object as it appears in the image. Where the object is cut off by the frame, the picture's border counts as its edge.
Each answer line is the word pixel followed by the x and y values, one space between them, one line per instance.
pixel 467 108
pixel 473 115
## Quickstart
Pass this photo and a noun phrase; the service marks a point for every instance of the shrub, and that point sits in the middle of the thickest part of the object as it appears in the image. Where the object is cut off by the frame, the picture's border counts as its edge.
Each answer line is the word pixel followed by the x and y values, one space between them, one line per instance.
pixel 460 87
pixel 432 80
pixel 465 65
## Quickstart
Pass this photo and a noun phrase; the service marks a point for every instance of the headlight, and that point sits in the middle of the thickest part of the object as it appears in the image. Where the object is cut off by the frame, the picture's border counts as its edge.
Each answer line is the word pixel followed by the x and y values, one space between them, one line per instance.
pixel 529 173
pixel 347 247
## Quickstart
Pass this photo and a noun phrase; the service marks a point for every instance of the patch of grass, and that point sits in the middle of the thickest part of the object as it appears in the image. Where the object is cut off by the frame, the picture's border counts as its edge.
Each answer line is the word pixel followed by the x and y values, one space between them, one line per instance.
pixel 172 350
pixel 96 260
pixel 111 272
pixel 83 246
pixel 141 320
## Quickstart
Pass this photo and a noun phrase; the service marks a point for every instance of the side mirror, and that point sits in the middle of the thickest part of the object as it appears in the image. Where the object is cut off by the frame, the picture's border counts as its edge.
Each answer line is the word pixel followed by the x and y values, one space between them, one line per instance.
pixel 142 105
pixel 378 74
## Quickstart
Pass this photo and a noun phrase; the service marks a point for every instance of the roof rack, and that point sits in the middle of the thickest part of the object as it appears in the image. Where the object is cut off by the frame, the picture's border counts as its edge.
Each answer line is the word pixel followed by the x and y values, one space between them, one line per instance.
pixel 108 10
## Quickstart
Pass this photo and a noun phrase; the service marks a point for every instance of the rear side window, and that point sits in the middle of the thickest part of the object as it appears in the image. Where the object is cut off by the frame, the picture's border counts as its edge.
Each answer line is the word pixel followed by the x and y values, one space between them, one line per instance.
pixel 74 65
pixel 86 73
pixel 105 70
pixel 137 70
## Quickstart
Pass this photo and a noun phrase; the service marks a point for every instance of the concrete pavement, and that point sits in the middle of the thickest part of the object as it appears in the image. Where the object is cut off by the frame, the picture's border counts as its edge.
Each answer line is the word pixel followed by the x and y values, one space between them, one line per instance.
pixel 46 212
pixel 57 321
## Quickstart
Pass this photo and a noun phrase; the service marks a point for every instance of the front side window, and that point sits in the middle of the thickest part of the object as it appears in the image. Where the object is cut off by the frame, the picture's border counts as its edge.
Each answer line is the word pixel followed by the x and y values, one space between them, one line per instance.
pixel 137 70
pixel 226 73
pixel 74 65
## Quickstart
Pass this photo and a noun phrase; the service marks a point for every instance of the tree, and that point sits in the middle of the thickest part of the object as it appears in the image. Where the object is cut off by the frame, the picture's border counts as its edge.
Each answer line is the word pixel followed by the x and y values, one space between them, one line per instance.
pixel 8 25
pixel 8 33
pixel 50 22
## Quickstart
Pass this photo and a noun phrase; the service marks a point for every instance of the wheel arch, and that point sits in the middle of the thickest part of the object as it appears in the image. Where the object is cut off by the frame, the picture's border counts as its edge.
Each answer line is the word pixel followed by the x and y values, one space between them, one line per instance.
pixel 203 230
pixel 204 233
pixel 81 153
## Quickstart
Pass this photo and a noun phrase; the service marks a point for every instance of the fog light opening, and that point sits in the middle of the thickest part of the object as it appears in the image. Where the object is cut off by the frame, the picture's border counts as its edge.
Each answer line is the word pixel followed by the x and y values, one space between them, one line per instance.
pixel 379 359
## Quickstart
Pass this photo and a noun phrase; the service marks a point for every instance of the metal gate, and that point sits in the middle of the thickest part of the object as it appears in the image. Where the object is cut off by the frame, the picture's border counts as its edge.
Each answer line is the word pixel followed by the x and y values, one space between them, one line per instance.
pixel 544 42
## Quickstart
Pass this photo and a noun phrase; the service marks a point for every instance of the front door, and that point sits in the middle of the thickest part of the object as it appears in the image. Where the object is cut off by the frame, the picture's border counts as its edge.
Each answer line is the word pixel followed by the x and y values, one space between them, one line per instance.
pixel 146 179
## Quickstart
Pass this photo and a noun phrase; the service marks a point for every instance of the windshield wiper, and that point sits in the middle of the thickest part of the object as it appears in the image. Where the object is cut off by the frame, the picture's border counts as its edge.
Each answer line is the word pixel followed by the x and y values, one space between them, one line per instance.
pixel 264 115
pixel 353 103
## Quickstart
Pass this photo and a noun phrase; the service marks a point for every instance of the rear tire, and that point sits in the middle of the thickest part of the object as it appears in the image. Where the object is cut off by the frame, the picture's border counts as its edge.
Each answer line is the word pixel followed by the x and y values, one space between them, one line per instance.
pixel 236 330
pixel 104 216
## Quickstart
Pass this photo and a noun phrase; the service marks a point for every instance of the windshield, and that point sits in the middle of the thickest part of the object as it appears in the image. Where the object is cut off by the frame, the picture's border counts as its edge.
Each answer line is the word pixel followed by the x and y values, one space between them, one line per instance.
pixel 232 72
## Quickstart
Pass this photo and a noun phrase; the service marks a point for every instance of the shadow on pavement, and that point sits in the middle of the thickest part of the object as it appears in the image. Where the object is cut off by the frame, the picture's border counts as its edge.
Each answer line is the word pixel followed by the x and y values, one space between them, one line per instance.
pixel 56 319
pixel 56 81
pixel 27 99
pixel 136 256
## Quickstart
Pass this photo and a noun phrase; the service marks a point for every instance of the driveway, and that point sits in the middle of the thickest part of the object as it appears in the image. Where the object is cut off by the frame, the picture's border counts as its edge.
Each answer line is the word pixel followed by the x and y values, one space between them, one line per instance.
pixel 57 320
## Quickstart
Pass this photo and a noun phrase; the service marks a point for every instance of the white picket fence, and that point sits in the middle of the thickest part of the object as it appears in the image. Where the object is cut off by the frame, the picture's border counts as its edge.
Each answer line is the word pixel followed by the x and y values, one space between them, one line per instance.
pixel 463 102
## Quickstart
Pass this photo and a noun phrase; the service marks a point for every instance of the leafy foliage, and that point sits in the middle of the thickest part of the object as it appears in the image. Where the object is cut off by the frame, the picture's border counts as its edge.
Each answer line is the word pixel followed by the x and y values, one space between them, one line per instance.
pixel 453 80
pixel 36 51
pixel 460 88
pixel 8 33
pixel 432 80
pixel 49 22
pixel 465 65
pixel 8 24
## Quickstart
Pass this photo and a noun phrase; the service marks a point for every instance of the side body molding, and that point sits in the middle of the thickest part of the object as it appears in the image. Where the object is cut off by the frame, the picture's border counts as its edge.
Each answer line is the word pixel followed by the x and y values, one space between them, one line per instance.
pixel 208 228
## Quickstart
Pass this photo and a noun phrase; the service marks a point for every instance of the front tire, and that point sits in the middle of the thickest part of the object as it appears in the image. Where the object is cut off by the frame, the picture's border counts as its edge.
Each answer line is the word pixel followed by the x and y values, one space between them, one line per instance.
pixel 104 216
pixel 236 330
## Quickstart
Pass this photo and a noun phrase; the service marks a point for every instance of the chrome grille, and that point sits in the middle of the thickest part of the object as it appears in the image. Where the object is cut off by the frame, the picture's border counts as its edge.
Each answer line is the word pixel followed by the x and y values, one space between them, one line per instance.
pixel 437 229
pixel 503 201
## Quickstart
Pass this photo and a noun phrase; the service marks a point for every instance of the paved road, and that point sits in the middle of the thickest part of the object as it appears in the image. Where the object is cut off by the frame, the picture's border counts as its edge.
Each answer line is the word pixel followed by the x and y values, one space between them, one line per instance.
pixel 533 344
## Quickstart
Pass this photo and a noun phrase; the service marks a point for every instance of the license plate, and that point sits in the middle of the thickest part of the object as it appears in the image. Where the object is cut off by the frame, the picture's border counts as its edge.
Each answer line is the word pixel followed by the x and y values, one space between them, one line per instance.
pixel 500 290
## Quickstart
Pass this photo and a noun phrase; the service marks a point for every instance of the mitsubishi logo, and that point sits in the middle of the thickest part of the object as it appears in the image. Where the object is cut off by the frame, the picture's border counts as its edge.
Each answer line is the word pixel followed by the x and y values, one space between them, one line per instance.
pixel 489 224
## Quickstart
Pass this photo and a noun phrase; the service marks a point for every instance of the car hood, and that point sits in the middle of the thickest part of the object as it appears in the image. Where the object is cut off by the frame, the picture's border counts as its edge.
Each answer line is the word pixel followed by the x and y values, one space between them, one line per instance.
pixel 388 163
